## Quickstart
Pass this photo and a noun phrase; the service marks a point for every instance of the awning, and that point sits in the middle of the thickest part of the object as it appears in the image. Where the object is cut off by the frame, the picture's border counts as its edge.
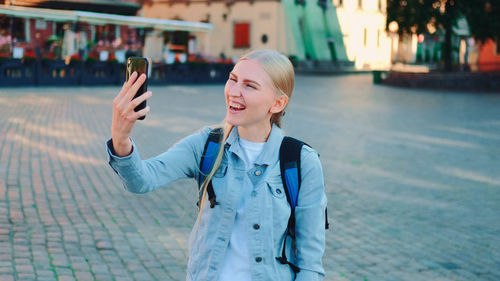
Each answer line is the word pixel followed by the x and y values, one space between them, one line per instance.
pixel 103 18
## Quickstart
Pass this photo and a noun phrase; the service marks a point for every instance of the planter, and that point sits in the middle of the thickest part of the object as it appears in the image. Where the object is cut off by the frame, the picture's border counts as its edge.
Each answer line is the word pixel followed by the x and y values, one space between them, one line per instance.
pixel 189 73
pixel 14 72
pixel 101 73
pixel 159 74
pixel 199 72
pixel 457 81
pixel 220 72
pixel 57 72
pixel 179 73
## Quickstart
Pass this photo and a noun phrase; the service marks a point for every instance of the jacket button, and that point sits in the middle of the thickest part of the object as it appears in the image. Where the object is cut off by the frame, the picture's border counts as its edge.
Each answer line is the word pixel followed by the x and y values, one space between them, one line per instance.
pixel 258 172
pixel 258 259
pixel 256 226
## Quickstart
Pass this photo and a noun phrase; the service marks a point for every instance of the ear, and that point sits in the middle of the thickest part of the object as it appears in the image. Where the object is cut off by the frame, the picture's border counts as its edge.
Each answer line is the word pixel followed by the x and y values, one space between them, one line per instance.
pixel 279 104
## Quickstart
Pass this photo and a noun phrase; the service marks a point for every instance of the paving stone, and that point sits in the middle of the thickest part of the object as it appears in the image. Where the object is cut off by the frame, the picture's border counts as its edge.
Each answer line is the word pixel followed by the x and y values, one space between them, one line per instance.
pixel 46 279
pixel 44 273
pixel 6 270
pixel 83 275
pixel 100 269
pixel 103 277
pixel 66 278
pixel 63 271
pixel 121 278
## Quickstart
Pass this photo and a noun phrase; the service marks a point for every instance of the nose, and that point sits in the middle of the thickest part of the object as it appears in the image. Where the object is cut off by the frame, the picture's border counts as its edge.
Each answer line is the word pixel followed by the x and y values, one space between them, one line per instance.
pixel 234 90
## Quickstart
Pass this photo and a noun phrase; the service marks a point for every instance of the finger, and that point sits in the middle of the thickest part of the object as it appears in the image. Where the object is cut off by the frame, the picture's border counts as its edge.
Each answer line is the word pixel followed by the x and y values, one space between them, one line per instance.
pixel 135 87
pixel 126 86
pixel 142 112
pixel 132 78
pixel 119 96
pixel 135 102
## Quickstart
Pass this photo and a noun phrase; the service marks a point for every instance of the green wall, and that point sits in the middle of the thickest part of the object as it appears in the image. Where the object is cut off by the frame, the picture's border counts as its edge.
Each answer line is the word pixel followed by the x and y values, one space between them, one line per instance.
pixel 308 30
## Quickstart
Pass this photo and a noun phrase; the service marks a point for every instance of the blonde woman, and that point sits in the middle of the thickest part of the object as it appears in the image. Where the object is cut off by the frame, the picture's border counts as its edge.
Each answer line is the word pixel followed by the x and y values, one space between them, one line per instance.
pixel 241 237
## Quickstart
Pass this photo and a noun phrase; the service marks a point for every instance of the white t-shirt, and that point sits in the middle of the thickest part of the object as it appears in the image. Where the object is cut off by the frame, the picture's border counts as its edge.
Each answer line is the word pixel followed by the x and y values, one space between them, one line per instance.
pixel 236 264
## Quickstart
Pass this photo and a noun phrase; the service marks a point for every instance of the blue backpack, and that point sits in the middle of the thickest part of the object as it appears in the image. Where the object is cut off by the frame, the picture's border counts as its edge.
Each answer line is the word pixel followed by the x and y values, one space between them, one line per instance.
pixel 290 175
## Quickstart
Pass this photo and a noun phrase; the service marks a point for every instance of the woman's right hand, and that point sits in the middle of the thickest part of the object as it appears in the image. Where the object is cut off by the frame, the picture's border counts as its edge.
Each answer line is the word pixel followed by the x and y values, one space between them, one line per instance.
pixel 124 116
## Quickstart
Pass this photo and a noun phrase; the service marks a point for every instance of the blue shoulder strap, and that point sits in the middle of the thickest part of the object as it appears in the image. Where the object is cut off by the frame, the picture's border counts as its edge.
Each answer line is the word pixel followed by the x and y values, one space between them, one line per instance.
pixel 207 163
pixel 290 168
pixel 290 175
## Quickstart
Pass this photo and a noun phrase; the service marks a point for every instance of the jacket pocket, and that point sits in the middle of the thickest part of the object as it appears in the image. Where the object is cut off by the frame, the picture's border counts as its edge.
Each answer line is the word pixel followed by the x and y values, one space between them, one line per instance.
pixel 221 172
pixel 280 210
pixel 276 189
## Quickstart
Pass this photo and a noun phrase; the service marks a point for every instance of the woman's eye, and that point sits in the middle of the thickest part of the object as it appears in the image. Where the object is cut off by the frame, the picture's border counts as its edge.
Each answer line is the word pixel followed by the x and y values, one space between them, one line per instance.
pixel 252 86
pixel 232 79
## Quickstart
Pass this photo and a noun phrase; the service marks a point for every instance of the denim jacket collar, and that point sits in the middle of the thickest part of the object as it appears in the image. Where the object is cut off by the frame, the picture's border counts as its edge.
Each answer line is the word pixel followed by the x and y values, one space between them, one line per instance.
pixel 269 153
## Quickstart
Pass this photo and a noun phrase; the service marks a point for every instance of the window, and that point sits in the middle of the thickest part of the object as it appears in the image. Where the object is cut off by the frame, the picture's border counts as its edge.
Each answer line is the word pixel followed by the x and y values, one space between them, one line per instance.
pixel 58 29
pixel 323 4
pixel 18 29
pixel 241 35
pixel 105 32
pixel 364 37
pixel 360 4
pixel 378 38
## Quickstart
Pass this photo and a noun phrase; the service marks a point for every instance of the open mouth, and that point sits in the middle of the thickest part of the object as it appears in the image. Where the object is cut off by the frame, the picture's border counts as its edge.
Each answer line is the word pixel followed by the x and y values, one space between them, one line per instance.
pixel 236 106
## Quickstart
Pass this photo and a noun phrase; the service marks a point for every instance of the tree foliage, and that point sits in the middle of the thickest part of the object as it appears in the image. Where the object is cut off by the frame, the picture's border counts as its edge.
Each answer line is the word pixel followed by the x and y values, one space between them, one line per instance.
pixel 418 16
pixel 426 16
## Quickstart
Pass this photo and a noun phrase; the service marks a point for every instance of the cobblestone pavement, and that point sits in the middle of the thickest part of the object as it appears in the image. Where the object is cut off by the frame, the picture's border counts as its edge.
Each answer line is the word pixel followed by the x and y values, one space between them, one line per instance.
pixel 413 182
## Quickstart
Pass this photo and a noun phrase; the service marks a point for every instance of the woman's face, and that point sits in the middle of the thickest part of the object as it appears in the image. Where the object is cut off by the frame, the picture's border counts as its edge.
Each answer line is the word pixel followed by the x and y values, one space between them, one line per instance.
pixel 251 98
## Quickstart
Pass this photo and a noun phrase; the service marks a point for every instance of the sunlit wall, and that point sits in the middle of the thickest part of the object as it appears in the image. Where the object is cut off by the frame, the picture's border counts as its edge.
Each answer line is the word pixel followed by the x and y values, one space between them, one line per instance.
pixel 363 25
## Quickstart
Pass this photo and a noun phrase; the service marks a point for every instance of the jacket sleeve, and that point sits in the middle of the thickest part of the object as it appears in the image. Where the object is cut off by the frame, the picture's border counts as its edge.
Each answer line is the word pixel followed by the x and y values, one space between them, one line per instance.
pixel 142 176
pixel 310 218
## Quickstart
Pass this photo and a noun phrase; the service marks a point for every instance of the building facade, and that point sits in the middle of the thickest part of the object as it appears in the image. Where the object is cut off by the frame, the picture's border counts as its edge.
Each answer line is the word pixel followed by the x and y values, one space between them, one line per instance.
pixel 61 29
pixel 348 31
pixel 363 26
pixel 489 56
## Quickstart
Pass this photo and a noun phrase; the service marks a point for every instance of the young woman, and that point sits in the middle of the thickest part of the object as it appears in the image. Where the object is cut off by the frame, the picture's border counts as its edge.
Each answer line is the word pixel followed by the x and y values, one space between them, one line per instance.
pixel 241 237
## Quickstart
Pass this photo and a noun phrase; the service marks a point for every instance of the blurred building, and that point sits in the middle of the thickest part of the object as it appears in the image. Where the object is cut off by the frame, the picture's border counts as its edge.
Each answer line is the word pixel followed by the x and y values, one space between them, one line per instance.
pixel 104 29
pixel 341 32
pixel 489 55
pixel 363 25
pixel 428 48
pixel 467 54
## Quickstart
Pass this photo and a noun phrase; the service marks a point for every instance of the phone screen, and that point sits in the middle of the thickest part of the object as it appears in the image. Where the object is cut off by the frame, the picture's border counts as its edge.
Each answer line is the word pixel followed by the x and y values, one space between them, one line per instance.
pixel 140 65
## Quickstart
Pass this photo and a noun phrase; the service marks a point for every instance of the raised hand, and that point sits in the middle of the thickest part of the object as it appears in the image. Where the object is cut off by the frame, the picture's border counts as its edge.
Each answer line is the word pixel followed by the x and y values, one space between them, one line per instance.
pixel 124 116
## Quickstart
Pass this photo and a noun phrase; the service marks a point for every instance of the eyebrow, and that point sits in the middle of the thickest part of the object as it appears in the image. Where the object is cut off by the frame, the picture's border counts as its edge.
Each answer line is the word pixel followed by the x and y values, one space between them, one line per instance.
pixel 245 80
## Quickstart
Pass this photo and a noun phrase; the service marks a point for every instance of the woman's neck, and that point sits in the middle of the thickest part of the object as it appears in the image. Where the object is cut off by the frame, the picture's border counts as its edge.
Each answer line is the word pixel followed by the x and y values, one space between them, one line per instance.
pixel 255 133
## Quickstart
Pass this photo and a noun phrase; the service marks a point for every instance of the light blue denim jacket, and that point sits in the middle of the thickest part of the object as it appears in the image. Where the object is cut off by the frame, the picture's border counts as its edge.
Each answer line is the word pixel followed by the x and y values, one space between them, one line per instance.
pixel 267 205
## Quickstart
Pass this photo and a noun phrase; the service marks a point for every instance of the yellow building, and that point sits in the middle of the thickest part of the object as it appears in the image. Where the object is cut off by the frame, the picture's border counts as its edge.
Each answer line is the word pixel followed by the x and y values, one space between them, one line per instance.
pixel 343 33
pixel 363 26
pixel 238 26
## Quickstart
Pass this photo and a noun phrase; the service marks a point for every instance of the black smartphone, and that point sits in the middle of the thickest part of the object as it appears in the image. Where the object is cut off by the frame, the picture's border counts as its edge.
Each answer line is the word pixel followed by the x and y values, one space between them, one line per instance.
pixel 140 65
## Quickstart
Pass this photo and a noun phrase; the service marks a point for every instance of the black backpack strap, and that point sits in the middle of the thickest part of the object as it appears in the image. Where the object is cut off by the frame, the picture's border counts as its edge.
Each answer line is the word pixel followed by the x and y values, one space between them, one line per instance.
pixel 290 175
pixel 207 163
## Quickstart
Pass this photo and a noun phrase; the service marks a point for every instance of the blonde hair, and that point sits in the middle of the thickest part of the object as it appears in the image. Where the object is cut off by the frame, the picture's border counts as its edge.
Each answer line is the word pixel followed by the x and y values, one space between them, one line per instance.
pixel 279 68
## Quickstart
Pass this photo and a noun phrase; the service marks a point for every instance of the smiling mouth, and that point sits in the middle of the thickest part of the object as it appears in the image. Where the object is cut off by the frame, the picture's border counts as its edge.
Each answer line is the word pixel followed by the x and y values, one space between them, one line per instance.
pixel 236 107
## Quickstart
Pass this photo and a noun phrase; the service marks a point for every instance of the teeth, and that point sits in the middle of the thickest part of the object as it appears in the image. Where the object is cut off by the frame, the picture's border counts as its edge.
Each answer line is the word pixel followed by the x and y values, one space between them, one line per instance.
pixel 237 106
